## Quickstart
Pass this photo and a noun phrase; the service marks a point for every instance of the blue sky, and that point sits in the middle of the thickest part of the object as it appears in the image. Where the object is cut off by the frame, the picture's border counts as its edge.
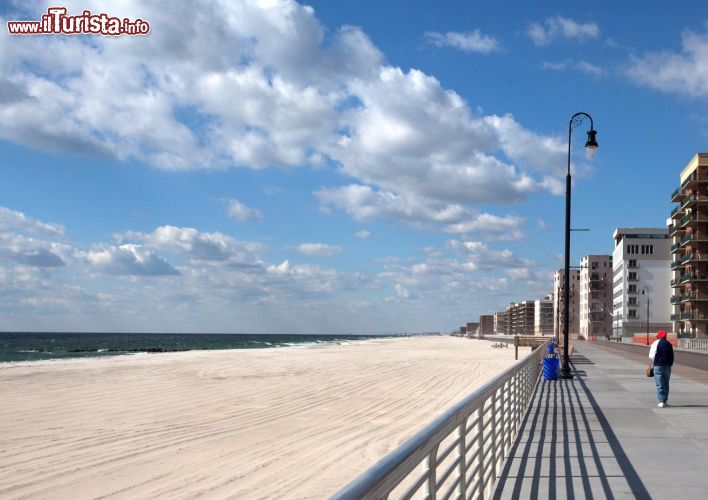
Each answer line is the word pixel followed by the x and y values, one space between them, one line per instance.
pixel 330 167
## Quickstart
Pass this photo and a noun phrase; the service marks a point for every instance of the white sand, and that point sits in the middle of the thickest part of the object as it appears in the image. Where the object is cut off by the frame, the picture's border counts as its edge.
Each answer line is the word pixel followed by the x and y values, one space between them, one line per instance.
pixel 265 423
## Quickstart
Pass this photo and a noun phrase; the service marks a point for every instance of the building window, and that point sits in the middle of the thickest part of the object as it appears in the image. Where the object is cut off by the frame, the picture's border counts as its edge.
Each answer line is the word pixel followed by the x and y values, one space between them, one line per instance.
pixel 633 263
pixel 632 289
pixel 594 265
pixel 632 314
pixel 632 277
pixel 632 301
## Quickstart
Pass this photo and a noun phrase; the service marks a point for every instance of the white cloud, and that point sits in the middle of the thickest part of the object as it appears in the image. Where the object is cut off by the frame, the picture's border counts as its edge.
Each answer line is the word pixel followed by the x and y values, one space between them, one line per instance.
pixel 364 203
pixel 363 233
pixel 582 66
pixel 561 27
pixel 431 144
pixel 198 245
pixel 494 227
pixel 129 260
pixel 402 291
pixel 683 73
pixel 239 211
pixel 279 92
pixel 11 220
pixel 471 41
pixel 318 249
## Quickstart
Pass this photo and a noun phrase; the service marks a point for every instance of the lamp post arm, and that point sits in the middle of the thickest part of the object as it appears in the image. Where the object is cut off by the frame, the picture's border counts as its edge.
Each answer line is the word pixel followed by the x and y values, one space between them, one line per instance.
pixel 575 121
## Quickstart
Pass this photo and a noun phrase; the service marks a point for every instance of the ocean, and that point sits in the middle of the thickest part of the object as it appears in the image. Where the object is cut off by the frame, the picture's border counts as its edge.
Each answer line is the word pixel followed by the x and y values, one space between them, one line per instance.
pixel 29 346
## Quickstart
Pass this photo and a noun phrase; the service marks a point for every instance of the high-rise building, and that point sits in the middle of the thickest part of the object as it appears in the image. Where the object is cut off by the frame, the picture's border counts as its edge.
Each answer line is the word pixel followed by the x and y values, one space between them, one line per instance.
pixel 500 323
pixel 641 287
pixel 509 318
pixel 689 230
pixel 520 318
pixel 559 306
pixel 472 328
pixel 596 296
pixel 486 325
pixel 543 316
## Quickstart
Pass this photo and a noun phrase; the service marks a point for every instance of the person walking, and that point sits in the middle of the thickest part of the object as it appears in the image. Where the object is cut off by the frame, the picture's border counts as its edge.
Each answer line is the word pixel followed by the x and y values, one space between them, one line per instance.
pixel 661 353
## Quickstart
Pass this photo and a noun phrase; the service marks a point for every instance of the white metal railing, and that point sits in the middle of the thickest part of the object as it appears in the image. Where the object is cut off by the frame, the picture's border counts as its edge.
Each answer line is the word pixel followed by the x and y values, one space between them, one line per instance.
pixel 693 344
pixel 461 453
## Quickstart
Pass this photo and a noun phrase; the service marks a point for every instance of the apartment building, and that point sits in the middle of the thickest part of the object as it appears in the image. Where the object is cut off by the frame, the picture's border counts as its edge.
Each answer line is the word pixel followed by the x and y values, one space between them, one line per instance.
pixel 596 296
pixel 486 325
pixel 472 328
pixel 500 323
pixel 543 316
pixel 559 305
pixel 689 232
pixel 520 318
pixel 641 290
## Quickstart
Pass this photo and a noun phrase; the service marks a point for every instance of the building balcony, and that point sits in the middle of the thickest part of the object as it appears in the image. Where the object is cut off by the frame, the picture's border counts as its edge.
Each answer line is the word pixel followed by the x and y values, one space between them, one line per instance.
pixel 692 199
pixel 676 230
pixel 677 195
pixel 677 213
pixel 695 181
pixel 693 220
pixel 677 264
pixel 693 316
pixel 694 237
pixel 676 299
pixel 675 317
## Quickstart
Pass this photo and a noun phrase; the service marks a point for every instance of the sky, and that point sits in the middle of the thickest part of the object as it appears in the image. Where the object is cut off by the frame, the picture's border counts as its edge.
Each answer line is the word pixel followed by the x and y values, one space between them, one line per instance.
pixel 331 166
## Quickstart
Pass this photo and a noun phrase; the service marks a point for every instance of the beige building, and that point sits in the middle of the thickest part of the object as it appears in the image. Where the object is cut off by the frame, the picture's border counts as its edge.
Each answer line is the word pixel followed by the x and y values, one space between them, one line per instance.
pixel 641 290
pixel 596 296
pixel 559 306
pixel 500 323
pixel 520 318
pixel 689 233
pixel 543 316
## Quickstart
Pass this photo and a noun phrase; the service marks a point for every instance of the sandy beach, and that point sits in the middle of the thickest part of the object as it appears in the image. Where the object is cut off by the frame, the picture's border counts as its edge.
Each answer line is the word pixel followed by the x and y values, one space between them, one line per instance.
pixel 261 423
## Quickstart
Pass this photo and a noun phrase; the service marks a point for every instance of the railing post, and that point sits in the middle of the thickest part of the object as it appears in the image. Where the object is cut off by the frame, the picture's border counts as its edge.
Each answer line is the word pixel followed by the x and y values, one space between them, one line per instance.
pixel 481 455
pixel 463 459
pixel 495 435
pixel 432 476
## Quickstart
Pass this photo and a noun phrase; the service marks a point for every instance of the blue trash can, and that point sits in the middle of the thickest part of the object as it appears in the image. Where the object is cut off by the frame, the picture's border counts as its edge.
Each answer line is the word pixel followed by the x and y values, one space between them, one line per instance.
pixel 551 367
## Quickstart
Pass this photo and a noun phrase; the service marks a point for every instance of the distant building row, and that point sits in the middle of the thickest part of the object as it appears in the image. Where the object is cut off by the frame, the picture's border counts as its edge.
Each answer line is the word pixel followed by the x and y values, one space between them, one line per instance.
pixel 656 278
pixel 608 294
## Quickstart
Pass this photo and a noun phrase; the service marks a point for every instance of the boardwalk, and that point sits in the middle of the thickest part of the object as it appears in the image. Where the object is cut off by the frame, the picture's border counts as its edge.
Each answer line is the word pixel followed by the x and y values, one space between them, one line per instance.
pixel 601 434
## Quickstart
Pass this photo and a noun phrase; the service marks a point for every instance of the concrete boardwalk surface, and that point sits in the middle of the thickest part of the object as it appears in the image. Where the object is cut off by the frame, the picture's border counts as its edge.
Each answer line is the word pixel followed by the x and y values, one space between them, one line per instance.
pixel 601 435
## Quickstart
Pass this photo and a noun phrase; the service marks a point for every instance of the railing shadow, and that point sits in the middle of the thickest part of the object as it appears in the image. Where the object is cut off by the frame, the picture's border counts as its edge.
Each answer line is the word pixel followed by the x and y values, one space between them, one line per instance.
pixel 567 449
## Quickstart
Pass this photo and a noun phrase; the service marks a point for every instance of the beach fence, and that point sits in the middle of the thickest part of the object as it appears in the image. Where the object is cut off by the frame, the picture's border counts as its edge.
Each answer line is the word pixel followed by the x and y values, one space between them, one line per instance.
pixel 459 454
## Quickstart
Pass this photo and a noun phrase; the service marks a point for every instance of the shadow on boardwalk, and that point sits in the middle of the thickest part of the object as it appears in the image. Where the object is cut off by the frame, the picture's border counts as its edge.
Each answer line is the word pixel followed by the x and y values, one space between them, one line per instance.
pixel 567 448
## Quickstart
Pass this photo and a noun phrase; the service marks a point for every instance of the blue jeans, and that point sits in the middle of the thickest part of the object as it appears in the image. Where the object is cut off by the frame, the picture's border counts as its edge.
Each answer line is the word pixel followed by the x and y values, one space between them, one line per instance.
pixel 662 374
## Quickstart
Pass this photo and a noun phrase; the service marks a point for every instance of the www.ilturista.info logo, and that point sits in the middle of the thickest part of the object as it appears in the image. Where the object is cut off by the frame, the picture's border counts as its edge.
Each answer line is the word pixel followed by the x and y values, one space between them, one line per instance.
pixel 57 22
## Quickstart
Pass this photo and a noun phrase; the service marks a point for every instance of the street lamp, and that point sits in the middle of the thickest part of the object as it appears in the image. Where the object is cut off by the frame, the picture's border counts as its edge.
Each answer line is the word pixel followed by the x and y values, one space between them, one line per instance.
pixel 591 148
pixel 645 291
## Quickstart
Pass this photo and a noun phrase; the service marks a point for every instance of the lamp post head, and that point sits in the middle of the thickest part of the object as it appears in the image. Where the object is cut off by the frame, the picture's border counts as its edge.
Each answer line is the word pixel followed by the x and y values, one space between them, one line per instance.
pixel 591 144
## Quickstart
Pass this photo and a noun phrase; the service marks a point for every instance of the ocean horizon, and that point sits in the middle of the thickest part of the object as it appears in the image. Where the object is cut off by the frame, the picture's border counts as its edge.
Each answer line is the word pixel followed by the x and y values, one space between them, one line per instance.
pixel 35 346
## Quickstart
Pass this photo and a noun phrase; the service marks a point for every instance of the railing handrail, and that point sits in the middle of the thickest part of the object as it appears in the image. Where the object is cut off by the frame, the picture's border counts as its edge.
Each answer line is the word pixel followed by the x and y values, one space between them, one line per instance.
pixel 693 344
pixel 391 470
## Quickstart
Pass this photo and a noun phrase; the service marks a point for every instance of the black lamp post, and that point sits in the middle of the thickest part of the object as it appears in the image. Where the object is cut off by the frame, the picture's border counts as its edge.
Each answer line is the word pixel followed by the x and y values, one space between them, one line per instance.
pixel 591 146
pixel 645 291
